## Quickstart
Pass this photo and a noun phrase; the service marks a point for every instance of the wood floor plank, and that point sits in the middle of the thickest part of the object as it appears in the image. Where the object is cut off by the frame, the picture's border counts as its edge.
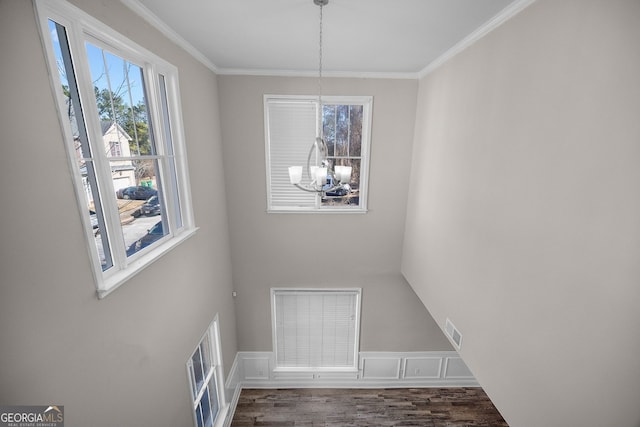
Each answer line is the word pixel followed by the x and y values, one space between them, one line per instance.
pixel 426 407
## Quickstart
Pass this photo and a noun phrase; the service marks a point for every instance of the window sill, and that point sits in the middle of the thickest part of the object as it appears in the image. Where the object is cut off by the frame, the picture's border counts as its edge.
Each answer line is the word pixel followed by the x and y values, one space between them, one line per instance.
pixel 114 281
pixel 221 419
pixel 331 211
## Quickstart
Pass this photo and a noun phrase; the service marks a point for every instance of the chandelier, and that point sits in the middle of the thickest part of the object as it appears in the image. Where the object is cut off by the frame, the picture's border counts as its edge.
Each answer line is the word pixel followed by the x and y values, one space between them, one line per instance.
pixel 322 175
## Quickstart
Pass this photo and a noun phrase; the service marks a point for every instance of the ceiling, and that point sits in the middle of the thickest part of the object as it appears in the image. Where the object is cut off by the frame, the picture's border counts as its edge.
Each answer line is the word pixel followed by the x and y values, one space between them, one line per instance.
pixel 360 37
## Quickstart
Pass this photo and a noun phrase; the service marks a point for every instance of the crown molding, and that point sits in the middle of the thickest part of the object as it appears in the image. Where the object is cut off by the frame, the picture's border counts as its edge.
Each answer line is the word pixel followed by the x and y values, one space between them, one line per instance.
pixel 142 11
pixel 325 73
pixel 146 14
pixel 507 13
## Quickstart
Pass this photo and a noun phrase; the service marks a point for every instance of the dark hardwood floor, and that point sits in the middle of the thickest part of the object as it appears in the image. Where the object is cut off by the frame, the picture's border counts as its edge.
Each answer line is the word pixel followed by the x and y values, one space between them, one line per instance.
pixel 429 407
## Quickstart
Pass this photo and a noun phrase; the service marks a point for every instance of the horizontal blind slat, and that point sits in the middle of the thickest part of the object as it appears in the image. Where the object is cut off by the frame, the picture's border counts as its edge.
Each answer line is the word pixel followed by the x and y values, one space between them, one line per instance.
pixel 315 330
pixel 291 132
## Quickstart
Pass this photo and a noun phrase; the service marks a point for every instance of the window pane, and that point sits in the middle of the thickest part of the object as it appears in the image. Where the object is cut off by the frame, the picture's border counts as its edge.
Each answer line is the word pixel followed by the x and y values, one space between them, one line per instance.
pixel 213 397
pixel 198 373
pixel 199 419
pixel 151 232
pixel 192 377
pixel 329 127
pixel 120 98
pixel 206 408
pixel 205 350
pixel 336 129
pixel 342 130
pixel 141 207
pixel 343 124
pixel 173 174
pixel 86 166
pixel 353 197
pixel 355 135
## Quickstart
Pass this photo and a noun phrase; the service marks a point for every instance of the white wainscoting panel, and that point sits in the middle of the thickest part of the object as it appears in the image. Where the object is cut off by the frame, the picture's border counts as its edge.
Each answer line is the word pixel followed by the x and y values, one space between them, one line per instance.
pixel 380 367
pixel 376 369
pixel 423 367
pixel 256 366
pixel 455 368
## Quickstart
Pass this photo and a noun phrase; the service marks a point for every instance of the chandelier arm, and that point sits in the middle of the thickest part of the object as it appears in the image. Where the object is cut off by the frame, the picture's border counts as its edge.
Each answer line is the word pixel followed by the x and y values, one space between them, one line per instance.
pixel 308 190
pixel 322 146
pixel 314 145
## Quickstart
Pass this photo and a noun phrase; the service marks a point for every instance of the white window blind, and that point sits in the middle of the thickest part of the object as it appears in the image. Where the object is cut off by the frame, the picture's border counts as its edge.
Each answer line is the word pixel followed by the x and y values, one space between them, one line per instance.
pixel 316 328
pixel 291 130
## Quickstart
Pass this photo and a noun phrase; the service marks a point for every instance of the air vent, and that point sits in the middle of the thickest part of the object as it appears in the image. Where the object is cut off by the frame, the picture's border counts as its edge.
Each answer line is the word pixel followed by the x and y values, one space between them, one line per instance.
pixel 454 335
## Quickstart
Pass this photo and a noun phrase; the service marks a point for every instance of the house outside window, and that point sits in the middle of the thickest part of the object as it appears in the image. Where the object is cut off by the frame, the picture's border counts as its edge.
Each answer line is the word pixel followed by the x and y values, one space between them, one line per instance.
pixel 291 126
pixel 119 110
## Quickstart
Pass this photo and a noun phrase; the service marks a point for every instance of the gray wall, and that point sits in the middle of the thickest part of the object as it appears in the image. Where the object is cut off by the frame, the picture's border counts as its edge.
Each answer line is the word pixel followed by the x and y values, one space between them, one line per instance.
pixel 523 217
pixel 121 360
pixel 361 250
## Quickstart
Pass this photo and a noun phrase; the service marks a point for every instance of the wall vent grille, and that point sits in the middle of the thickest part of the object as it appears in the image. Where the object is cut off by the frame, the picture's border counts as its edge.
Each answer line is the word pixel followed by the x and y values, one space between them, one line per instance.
pixel 454 334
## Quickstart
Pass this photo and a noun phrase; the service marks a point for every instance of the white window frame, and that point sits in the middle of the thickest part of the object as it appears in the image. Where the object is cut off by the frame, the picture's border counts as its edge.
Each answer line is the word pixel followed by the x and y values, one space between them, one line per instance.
pixel 81 28
pixel 367 103
pixel 275 325
pixel 216 371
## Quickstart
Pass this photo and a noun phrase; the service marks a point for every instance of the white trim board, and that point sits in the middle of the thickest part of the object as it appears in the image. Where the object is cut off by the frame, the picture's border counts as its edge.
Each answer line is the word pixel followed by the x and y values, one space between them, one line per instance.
pixel 257 369
pixel 376 369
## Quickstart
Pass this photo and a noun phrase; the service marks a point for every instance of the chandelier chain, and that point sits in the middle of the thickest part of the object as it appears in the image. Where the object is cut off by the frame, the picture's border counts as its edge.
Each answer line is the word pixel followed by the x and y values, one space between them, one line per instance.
pixel 325 178
pixel 320 73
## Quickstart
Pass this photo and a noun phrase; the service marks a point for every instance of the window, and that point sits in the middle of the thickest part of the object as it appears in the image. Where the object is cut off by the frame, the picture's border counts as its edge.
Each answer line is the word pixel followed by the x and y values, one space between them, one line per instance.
pixel 120 114
pixel 204 369
pixel 114 149
pixel 291 128
pixel 316 329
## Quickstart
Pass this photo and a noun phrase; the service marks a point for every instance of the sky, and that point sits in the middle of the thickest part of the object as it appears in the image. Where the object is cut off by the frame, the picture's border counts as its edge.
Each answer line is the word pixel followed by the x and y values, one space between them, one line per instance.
pixel 108 71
